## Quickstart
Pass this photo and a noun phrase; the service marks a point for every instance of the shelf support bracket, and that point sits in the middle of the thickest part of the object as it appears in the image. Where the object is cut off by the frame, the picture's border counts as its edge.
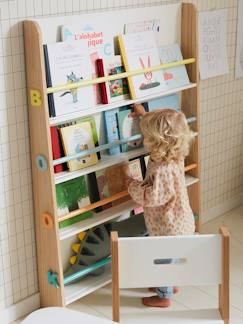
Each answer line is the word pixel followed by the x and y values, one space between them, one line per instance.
pixel 52 279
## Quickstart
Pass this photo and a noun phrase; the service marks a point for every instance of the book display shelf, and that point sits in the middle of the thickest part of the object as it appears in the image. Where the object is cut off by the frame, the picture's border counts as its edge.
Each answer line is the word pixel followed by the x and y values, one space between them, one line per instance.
pixel 179 24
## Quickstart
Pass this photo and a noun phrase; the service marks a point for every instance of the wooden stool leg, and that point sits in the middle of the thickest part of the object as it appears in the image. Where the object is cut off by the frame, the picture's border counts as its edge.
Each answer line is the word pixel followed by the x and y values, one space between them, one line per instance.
pixel 115 278
pixel 224 286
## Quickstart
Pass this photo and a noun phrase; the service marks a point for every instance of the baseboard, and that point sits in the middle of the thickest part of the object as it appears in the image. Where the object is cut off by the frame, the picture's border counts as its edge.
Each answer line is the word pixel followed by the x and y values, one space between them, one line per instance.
pixel 20 309
pixel 216 211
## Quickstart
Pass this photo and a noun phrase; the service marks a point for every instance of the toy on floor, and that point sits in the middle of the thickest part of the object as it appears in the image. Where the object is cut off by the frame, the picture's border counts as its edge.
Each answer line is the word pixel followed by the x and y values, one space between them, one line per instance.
pixel 93 246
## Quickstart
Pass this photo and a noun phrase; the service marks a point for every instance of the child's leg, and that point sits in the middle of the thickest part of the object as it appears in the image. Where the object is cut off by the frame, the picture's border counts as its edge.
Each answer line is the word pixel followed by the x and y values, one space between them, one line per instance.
pixel 175 290
pixel 162 300
pixel 164 292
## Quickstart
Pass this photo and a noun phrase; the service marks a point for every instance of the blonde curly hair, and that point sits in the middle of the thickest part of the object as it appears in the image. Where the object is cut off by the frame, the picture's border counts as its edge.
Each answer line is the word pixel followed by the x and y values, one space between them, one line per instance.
pixel 166 135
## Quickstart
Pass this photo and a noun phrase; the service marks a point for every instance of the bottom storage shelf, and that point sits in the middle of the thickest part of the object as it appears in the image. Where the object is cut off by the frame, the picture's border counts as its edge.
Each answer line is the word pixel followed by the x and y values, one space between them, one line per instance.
pixel 87 285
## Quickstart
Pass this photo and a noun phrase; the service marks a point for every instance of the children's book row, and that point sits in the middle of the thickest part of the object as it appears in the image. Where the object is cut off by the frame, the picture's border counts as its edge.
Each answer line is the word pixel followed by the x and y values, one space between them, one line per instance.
pixel 83 134
pixel 82 191
pixel 78 58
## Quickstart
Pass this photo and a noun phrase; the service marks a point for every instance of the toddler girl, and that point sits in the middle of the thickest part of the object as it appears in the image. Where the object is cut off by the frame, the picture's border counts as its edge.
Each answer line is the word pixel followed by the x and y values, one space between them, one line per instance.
pixel 163 193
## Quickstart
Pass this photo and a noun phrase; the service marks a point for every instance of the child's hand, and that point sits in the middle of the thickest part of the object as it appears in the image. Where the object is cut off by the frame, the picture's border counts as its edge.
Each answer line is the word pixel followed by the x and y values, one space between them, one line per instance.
pixel 138 110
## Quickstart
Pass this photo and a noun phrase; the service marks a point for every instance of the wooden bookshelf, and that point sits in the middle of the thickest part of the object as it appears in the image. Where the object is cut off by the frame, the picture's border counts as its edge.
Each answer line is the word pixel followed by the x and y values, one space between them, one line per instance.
pixel 48 234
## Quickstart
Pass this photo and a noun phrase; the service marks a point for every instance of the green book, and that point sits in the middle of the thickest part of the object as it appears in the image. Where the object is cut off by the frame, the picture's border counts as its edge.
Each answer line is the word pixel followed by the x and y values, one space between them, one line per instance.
pixel 72 195
pixel 128 126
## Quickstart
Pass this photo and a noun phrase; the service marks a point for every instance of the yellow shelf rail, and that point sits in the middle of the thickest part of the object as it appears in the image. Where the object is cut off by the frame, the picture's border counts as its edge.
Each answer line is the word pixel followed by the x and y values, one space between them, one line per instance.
pixel 123 75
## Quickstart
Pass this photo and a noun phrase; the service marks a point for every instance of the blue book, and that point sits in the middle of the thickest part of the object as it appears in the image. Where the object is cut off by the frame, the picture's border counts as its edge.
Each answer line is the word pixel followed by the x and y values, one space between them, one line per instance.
pixel 171 101
pixel 111 127
pixel 128 126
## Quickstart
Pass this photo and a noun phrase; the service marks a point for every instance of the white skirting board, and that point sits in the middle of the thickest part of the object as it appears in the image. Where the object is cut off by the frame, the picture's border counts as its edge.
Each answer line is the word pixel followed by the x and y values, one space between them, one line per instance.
pixel 20 309
pixel 220 209
pixel 32 303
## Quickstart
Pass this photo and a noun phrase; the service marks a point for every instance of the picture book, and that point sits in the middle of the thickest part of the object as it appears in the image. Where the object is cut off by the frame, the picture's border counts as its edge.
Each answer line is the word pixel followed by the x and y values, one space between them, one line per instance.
pixel 67 63
pixel 72 195
pixel 77 138
pixel 102 183
pixel 92 122
pixel 177 76
pixel 111 127
pixel 116 182
pixel 142 26
pixel 91 35
pixel 56 148
pixel 128 126
pixel 109 182
pixel 171 101
pixel 115 90
pixel 139 51
pixel 97 41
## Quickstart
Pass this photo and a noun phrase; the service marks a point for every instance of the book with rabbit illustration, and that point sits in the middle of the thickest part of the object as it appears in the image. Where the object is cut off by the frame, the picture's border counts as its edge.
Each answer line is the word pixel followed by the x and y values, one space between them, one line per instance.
pixel 67 63
pixel 77 138
pixel 139 51
pixel 128 126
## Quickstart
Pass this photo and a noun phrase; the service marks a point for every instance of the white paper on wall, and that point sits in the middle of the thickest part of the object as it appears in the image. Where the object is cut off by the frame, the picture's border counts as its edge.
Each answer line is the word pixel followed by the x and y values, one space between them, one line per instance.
pixel 239 44
pixel 213 59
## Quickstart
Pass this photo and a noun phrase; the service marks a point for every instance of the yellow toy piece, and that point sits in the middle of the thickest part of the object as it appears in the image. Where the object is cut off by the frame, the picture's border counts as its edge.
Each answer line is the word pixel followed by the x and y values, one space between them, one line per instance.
pixel 73 259
pixel 81 235
pixel 75 247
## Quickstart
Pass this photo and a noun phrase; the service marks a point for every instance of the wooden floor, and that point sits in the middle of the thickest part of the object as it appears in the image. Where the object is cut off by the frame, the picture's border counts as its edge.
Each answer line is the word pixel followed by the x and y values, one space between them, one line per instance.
pixel 189 298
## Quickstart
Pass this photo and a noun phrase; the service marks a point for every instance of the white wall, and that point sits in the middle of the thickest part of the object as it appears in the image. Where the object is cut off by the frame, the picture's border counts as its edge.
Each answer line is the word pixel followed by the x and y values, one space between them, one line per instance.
pixel 221 136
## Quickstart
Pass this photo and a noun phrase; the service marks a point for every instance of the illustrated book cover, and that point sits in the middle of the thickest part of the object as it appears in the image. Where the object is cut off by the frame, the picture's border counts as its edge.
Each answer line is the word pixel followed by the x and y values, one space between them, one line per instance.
pixel 111 127
pixel 77 138
pixel 115 90
pixel 177 76
pixel 95 136
pixel 67 63
pixel 128 126
pixel 111 181
pixel 72 195
pixel 139 51
pixel 97 41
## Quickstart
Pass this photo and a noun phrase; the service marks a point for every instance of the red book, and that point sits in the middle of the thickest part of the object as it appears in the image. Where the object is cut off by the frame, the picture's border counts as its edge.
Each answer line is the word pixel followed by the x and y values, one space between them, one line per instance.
pixel 56 148
pixel 102 86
